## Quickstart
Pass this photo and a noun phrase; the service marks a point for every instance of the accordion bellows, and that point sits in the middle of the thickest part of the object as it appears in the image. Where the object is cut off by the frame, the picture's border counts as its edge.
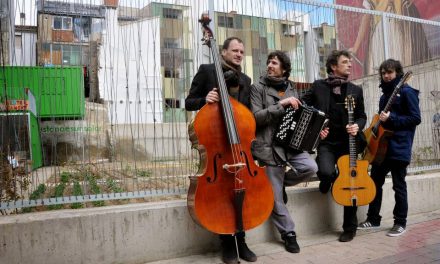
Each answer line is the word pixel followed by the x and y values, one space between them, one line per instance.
pixel 299 129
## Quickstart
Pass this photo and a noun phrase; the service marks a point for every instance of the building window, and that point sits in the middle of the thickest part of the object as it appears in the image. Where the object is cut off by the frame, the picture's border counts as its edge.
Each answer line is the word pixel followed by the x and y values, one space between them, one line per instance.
pixel 62 23
pixel 171 73
pixel 18 42
pixel 170 43
pixel 288 30
pixel 71 55
pixel 172 13
pixel 172 103
pixel 81 28
pixel 58 54
pixel 224 21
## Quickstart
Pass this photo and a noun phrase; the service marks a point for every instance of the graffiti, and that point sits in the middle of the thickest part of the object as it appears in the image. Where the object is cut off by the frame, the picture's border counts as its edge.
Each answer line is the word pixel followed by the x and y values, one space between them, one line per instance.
pixel 68 129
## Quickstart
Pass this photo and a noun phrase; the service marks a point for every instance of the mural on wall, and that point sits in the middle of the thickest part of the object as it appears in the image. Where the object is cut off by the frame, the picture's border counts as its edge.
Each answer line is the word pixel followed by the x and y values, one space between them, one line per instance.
pixel 412 43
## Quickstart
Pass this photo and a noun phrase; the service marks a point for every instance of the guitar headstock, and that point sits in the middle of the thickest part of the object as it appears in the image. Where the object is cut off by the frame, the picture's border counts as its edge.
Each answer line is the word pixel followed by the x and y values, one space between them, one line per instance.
pixel 405 78
pixel 350 104
pixel 207 31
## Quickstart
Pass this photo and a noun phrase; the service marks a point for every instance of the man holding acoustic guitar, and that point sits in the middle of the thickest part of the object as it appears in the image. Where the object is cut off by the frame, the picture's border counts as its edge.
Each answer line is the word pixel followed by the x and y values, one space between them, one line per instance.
pixel 330 96
pixel 393 131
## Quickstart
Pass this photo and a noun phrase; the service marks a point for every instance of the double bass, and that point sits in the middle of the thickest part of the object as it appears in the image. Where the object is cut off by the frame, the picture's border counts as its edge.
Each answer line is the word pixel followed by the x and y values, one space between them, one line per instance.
pixel 353 186
pixel 229 192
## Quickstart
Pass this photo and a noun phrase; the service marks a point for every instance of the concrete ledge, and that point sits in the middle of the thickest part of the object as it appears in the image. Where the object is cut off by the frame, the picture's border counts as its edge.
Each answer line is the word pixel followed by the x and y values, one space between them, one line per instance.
pixel 140 233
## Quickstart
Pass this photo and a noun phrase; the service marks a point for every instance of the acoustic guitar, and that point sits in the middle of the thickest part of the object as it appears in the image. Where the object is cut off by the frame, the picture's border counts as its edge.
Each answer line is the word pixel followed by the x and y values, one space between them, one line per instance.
pixel 377 136
pixel 353 187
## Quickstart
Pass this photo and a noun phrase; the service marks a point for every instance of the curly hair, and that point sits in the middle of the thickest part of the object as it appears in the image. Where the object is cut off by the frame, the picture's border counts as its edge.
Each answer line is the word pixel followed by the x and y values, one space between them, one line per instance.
pixel 284 60
pixel 391 65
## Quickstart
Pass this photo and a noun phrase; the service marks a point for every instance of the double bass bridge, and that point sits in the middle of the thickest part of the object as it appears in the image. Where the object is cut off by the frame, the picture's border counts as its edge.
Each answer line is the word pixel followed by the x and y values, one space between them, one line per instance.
pixel 234 168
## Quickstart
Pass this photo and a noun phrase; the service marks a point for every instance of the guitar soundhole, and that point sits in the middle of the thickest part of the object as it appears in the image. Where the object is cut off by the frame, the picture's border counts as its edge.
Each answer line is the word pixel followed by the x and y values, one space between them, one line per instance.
pixel 353 173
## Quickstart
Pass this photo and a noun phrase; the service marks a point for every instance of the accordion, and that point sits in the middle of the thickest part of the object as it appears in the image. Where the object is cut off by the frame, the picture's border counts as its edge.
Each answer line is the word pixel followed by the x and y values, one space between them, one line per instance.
pixel 299 129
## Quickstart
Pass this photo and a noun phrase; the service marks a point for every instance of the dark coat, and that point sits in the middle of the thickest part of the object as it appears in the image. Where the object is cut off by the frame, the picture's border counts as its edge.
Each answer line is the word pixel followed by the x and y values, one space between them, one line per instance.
pixel 319 97
pixel 404 117
pixel 205 80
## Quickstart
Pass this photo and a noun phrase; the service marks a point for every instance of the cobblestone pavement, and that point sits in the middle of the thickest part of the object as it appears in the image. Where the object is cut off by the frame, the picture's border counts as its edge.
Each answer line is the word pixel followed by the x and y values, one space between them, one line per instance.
pixel 419 244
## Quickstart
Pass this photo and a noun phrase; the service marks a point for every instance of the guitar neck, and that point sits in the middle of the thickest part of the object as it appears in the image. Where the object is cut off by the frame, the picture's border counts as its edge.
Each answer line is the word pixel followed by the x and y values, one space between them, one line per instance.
pixel 351 139
pixel 396 90
pixel 392 97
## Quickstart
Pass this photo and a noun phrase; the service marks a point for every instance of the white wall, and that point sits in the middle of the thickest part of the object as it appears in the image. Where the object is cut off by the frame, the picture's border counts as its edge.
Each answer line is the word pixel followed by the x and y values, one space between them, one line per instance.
pixel 24 52
pixel 138 233
pixel 129 76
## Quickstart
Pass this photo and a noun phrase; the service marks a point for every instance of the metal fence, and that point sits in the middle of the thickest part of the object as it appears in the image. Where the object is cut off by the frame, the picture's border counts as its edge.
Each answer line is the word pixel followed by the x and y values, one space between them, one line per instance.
pixel 131 143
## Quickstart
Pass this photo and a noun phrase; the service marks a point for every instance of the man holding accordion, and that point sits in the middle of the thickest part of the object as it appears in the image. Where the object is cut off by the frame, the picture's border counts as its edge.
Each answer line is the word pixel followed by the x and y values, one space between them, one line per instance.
pixel 270 97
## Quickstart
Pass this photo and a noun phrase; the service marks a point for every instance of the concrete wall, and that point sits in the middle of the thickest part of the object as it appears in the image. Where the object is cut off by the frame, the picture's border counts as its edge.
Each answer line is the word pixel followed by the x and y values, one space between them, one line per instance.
pixel 139 233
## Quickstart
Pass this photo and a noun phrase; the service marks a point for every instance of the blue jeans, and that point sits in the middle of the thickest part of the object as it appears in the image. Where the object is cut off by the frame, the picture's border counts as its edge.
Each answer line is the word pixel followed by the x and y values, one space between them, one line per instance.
pixel 398 173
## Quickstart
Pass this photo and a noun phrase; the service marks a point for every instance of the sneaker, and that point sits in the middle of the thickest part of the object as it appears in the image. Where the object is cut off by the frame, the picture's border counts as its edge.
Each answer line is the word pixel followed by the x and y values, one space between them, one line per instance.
pixel 290 242
pixel 367 225
pixel 397 230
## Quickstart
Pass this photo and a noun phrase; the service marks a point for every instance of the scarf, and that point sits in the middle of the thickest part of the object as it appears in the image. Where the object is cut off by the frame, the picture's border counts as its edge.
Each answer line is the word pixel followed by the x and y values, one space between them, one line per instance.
pixel 388 87
pixel 226 67
pixel 232 77
pixel 278 83
pixel 231 74
pixel 335 82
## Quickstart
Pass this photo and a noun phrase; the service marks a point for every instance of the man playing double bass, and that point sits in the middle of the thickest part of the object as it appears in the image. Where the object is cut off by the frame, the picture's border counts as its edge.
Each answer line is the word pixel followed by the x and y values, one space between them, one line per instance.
pixel 203 91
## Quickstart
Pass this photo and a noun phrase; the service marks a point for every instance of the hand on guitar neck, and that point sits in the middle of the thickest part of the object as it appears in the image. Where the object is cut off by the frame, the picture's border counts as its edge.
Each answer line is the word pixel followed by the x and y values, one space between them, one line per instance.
pixel 384 116
pixel 377 136
pixel 353 186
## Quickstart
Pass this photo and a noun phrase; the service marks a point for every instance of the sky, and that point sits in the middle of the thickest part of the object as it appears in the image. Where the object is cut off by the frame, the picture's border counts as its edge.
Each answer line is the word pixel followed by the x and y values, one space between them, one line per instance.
pixel 261 8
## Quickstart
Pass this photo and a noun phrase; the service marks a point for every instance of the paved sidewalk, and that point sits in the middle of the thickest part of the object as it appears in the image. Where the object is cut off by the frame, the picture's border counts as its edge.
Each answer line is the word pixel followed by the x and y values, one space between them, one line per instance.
pixel 420 244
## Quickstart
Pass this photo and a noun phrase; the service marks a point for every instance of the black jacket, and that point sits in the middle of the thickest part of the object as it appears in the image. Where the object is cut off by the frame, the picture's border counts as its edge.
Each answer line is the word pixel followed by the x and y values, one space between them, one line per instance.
pixel 319 97
pixel 205 80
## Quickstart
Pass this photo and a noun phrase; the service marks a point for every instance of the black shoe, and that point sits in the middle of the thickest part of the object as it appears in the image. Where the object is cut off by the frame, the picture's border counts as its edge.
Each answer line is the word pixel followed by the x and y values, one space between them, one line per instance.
pixel 229 252
pixel 244 252
pixel 324 186
pixel 290 242
pixel 347 236
pixel 285 198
